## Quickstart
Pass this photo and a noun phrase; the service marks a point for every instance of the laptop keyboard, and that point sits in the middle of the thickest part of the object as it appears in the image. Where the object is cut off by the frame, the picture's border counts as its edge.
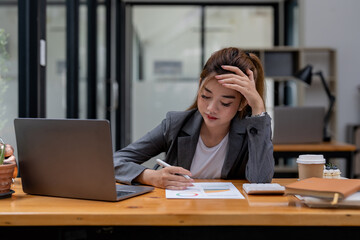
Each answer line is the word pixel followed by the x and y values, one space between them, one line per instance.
pixel 123 193
pixel 120 191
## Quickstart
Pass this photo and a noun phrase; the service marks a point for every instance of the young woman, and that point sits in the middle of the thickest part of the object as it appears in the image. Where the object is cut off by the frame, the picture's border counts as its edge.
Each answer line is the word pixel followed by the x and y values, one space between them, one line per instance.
pixel 226 133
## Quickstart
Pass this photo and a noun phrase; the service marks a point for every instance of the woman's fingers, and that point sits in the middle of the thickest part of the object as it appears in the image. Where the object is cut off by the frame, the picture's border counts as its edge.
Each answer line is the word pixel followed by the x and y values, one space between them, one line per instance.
pixel 234 80
pixel 240 85
pixel 250 74
pixel 179 170
pixel 179 185
pixel 233 77
pixel 244 84
pixel 171 178
pixel 234 69
pixel 242 89
pixel 176 174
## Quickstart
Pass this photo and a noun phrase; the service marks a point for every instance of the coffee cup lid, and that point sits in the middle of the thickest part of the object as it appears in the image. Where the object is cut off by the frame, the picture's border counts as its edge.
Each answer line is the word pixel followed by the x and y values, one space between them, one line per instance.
pixel 311 159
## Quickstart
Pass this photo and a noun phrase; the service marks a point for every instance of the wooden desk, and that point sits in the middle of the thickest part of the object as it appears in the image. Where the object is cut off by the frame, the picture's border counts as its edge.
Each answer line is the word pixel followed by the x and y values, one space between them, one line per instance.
pixel 329 150
pixel 151 214
pixel 153 209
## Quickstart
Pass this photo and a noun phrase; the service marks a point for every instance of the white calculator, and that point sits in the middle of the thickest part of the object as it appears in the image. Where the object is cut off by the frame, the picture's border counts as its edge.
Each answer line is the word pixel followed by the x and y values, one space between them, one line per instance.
pixel 263 188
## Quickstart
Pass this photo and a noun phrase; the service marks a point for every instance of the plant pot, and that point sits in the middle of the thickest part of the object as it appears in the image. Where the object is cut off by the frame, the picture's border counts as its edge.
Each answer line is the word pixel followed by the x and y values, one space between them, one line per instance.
pixel 6 176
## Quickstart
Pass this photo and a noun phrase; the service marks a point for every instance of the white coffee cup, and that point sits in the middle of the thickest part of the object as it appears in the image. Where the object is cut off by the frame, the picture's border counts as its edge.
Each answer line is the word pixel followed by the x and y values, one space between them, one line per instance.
pixel 310 166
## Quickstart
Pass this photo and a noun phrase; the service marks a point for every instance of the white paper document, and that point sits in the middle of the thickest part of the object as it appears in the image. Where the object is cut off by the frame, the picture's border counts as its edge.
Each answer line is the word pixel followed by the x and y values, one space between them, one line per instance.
pixel 207 190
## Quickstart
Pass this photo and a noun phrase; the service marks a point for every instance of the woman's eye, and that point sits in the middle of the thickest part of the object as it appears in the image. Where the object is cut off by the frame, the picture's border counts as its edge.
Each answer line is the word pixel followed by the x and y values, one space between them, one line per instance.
pixel 226 104
pixel 204 97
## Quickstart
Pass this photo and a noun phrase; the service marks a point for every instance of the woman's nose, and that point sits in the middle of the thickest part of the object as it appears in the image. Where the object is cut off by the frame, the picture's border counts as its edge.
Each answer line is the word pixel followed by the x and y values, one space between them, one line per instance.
pixel 212 106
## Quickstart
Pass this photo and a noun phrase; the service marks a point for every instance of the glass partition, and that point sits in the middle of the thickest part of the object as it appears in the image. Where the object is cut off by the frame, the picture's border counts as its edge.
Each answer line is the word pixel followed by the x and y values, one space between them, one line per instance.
pixel 56 61
pixel 8 70
pixel 166 62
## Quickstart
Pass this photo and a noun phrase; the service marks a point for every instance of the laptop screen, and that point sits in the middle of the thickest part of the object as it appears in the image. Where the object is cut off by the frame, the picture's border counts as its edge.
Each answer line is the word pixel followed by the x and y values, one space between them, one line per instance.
pixel 296 125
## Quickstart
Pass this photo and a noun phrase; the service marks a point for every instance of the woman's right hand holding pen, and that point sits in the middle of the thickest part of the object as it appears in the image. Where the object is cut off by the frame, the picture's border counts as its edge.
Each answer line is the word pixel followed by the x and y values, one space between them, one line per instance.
pixel 168 177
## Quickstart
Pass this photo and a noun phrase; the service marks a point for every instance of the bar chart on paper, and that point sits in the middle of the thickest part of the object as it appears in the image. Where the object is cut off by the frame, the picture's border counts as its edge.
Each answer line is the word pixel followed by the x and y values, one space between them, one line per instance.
pixel 207 190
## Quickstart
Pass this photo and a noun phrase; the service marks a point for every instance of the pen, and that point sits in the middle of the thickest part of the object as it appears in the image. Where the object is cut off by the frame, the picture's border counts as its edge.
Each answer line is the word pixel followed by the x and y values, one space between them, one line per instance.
pixel 164 164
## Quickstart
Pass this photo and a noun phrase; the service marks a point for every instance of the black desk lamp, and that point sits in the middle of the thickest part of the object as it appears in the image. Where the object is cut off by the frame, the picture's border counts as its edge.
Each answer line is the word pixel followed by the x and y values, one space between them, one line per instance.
pixel 305 75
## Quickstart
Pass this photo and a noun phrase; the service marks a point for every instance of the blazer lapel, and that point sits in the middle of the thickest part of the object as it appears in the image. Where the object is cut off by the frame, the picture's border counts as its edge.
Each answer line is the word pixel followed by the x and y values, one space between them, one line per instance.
pixel 236 138
pixel 187 140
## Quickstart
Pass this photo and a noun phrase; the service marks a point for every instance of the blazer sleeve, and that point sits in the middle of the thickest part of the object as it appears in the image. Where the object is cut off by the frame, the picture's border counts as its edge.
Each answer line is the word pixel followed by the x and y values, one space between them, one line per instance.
pixel 260 165
pixel 127 161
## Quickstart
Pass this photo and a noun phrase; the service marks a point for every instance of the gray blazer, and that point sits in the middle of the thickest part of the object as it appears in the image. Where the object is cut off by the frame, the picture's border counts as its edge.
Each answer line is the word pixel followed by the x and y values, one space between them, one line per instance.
pixel 250 150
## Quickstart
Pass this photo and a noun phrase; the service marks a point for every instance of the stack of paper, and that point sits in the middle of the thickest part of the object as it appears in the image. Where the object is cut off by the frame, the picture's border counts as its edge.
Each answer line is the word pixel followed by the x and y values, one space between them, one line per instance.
pixel 207 190
pixel 352 201
pixel 321 192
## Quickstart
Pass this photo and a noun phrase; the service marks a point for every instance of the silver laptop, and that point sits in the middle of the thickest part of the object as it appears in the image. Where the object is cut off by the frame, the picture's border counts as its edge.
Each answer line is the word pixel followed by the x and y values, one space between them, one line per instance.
pixel 69 158
pixel 296 125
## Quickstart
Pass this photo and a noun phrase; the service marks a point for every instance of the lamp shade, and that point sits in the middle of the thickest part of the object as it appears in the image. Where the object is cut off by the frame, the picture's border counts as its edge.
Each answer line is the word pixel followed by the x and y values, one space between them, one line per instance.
pixel 305 74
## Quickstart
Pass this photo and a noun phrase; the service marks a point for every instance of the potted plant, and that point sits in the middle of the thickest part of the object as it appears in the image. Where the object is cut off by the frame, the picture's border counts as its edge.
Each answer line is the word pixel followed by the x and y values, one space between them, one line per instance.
pixel 7 168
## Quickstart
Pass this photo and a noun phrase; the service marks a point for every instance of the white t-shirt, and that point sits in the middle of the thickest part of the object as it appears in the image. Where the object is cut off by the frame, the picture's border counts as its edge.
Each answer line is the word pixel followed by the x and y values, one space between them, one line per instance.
pixel 208 162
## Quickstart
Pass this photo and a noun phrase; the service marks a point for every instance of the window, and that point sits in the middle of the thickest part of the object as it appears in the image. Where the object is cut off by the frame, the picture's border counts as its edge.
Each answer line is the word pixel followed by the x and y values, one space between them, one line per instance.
pixel 169 43
pixel 166 62
pixel 8 70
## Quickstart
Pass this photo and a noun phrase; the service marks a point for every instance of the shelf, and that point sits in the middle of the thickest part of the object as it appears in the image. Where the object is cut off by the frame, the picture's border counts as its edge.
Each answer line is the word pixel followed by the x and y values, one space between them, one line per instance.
pixel 281 63
pixel 283 169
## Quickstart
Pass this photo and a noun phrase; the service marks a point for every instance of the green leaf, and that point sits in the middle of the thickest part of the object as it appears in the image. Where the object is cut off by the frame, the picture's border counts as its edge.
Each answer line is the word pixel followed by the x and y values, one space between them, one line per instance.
pixel 2 153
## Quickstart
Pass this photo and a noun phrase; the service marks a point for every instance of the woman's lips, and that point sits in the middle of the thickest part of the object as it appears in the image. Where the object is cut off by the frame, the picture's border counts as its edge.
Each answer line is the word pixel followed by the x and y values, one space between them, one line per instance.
pixel 211 117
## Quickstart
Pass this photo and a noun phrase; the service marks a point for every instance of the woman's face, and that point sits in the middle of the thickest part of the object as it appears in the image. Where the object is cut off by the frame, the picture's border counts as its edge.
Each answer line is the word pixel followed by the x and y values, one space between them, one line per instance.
pixel 217 104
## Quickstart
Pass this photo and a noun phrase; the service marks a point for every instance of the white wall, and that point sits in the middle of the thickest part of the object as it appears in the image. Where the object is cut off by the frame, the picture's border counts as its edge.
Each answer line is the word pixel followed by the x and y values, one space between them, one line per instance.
pixel 335 24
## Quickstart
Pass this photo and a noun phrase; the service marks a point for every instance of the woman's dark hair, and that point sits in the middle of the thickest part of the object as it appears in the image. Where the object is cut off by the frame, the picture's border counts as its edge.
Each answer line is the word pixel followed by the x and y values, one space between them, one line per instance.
pixel 238 58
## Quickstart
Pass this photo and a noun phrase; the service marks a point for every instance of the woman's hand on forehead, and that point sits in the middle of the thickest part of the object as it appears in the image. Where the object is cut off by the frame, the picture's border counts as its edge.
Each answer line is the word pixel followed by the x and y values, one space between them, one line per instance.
pixel 243 83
